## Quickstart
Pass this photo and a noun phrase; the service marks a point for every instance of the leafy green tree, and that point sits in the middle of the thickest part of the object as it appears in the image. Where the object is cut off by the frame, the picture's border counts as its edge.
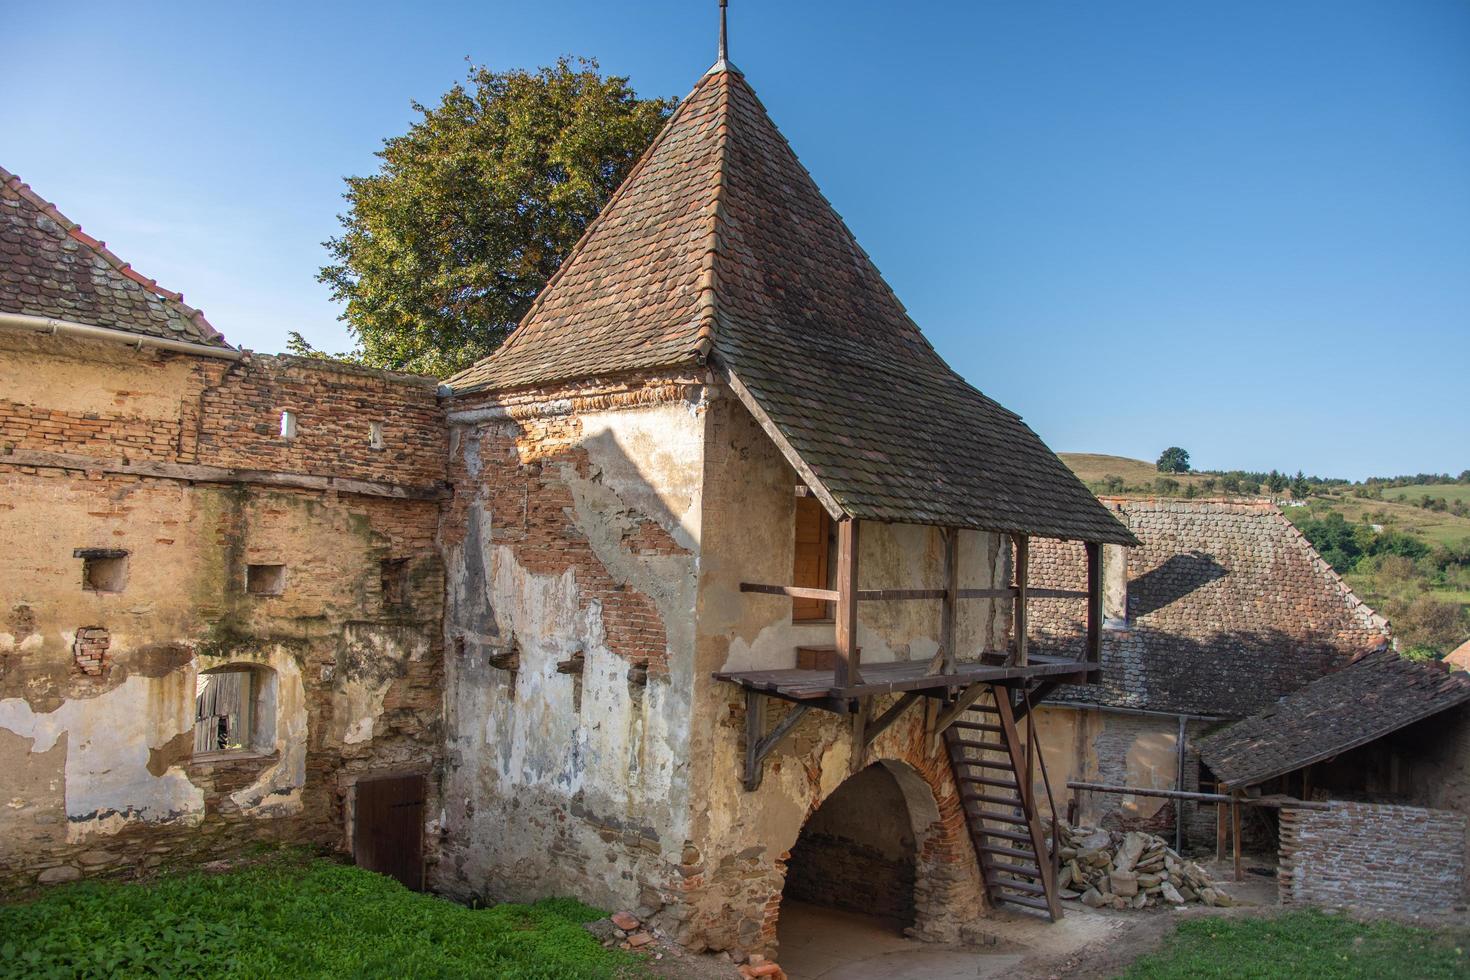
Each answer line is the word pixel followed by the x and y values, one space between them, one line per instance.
pixel 1174 460
pixel 1113 483
pixel 1276 482
pixel 1340 543
pixel 473 209
pixel 1166 486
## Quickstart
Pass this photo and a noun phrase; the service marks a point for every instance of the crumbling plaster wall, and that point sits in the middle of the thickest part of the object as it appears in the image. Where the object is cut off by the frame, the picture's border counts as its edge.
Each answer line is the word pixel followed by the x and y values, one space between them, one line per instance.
pixel 734 872
pixel 572 544
pixel 97 771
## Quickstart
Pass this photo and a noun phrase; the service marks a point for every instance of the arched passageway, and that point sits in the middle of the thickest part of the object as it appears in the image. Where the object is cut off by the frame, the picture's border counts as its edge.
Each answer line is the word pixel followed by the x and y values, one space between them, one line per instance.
pixel 857 852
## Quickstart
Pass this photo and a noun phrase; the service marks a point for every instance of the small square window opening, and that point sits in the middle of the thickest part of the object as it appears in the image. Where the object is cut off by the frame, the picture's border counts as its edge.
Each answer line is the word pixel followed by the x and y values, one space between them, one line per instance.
pixel 265 579
pixel 103 569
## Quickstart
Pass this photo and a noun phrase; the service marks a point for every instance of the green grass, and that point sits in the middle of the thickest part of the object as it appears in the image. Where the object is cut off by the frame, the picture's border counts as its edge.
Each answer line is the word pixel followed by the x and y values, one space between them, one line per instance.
pixel 1303 944
pixel 1449 491
pixel 292 916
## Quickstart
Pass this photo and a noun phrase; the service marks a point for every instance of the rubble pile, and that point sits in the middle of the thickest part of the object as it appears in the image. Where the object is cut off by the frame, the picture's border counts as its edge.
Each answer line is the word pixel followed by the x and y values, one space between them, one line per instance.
pixel 1107 869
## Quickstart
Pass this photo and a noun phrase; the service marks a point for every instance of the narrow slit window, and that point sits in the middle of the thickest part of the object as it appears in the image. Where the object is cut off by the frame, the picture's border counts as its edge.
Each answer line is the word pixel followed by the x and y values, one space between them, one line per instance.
pixel 288 425
pixel 103 569
pixel 813 566
pixel 265 579
pixel 375 435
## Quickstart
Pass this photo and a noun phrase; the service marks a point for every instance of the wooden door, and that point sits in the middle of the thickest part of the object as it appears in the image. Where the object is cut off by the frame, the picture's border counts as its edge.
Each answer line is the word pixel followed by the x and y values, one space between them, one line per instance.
pixel 388 828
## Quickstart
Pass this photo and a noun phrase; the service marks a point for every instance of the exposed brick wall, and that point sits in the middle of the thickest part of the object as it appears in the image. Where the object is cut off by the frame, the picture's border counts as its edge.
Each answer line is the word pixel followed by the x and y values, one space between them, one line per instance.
pixel 334 405
pixel 1375 856
pixel 370 673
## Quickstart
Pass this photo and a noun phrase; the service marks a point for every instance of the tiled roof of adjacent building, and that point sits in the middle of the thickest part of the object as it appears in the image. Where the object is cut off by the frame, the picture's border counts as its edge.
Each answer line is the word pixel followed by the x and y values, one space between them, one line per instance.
pixel 1374 695
pixel 720 246
pixel 1229 607
pixel 49 267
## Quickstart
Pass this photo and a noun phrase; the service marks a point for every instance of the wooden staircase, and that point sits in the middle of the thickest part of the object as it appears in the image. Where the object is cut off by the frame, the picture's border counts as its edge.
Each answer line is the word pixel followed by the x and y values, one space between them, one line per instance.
pixel 988 759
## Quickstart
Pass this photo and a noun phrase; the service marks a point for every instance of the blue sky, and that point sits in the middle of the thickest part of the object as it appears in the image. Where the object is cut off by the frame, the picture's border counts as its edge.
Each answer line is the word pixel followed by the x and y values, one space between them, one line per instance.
pixel 1239 227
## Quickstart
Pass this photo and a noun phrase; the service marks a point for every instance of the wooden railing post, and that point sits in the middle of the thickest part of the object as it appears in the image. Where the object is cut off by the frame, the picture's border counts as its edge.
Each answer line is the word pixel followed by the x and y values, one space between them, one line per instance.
pixel 846 667
pixel 1022 574
pixel 951 596
pixel 1094 611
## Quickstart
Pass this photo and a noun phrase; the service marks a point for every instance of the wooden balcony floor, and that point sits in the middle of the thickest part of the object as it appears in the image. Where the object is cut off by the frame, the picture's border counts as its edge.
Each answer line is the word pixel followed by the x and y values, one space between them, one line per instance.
pixel 888 678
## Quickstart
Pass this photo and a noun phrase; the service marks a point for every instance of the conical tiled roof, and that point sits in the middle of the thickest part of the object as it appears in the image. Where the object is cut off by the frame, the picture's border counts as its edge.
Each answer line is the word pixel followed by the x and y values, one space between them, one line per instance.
pixel 49 267
pixel 720 247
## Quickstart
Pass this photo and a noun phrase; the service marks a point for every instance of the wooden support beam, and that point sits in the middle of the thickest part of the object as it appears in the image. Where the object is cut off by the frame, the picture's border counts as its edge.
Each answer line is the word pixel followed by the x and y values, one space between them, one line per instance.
pixel 951 594
pixel 758 742
pixel 885 595
pixel 881 724
pixel 847 671
pixel 1235 836
pixel 949 715
pixel 1005 592
pixel 1094 611
pixel 1023 565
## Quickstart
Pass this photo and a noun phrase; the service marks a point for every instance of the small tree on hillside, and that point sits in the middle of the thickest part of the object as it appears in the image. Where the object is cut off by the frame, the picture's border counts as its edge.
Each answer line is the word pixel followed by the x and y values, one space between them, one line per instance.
pixel 1276 482
pixel 1300 488
pixel 1174 460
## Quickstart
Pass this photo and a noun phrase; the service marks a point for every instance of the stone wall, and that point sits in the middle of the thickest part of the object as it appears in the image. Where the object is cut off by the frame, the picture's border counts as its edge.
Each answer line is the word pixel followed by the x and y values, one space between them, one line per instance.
pixel 572 541
pixel 1399 859
pixel 97 751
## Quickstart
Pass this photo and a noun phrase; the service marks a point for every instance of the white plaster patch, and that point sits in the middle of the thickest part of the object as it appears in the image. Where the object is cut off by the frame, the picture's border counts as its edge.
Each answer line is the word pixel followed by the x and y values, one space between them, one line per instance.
pixel 108 743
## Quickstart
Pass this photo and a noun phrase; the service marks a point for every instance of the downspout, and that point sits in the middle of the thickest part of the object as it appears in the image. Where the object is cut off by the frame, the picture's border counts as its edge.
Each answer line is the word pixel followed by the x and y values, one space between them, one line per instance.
pixel 53 326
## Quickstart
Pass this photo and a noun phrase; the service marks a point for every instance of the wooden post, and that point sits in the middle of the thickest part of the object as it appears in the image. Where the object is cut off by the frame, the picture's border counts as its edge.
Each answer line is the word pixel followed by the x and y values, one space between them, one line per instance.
pixel 1219 832
pixel 755 730
pixel 1023 566
pixel 951 597
pixel 1094 610
pixel 1179 785
pixel 847 670
pixel 1235 834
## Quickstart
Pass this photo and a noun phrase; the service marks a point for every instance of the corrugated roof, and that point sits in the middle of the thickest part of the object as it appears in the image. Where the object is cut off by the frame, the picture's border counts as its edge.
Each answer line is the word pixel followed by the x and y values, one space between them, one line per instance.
pixel 49 267
pixel 1373 696
pixel 720 247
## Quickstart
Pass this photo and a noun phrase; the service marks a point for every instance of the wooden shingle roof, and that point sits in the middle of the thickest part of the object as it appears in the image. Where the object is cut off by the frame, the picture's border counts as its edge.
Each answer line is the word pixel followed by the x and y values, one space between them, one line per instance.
pixel 719 248
pixel 1375 695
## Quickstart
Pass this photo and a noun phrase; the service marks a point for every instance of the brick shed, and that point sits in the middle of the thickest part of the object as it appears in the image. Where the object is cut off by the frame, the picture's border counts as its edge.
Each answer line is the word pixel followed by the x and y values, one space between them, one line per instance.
pixel 1379 753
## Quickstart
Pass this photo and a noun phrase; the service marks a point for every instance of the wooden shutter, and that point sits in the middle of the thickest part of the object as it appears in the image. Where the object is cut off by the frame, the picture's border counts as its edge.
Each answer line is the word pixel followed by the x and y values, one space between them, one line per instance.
pixel 812 530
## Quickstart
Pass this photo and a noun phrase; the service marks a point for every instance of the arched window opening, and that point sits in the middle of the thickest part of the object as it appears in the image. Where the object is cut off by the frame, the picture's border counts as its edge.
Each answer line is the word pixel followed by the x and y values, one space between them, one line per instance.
pixel 234 710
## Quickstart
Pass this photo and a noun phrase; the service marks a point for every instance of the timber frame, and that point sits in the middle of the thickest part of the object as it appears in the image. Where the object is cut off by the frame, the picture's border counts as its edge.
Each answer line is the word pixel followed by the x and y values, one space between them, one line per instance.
pixel 951 684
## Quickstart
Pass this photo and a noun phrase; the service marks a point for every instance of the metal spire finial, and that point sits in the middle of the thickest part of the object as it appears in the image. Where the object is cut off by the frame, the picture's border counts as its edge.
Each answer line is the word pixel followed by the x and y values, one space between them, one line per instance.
pixel 724 46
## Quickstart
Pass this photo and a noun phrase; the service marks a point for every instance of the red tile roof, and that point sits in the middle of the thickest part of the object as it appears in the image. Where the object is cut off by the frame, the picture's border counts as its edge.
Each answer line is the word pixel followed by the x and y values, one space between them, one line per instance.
pixel 720 247
pixel 49 267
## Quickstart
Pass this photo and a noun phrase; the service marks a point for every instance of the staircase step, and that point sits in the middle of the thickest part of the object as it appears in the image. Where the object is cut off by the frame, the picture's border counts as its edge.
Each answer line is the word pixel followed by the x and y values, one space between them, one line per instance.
pixel 1018 870
pixel 987 746
pixel 1016 885
pixel 976 726
pixel 979 814
pixel 988 709
pixel 1026 900
pixel 1005 835
pixel 1008 851
pixel 986 764
pixel 987 781
pixel 997 800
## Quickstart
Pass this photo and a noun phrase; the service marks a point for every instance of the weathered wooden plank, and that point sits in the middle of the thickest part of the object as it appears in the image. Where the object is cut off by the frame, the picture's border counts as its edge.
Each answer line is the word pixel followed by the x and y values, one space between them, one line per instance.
pixel 794 591
pixel 1004 592
pixel 885 595
pixel 881 724
pixel 951 595
pixel 1094 610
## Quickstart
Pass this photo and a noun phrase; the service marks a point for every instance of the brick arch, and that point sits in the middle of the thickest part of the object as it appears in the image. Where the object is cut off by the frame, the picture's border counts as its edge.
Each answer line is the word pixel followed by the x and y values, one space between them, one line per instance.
pixel 947 889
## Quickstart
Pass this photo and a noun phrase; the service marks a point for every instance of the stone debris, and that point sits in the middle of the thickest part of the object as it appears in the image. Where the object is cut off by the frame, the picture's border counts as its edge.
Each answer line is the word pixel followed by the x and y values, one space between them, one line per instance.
pixel 1132 870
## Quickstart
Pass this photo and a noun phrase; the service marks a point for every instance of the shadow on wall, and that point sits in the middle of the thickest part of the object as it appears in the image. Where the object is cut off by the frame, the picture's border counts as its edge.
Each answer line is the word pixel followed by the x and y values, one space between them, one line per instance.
pixel 1172 581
